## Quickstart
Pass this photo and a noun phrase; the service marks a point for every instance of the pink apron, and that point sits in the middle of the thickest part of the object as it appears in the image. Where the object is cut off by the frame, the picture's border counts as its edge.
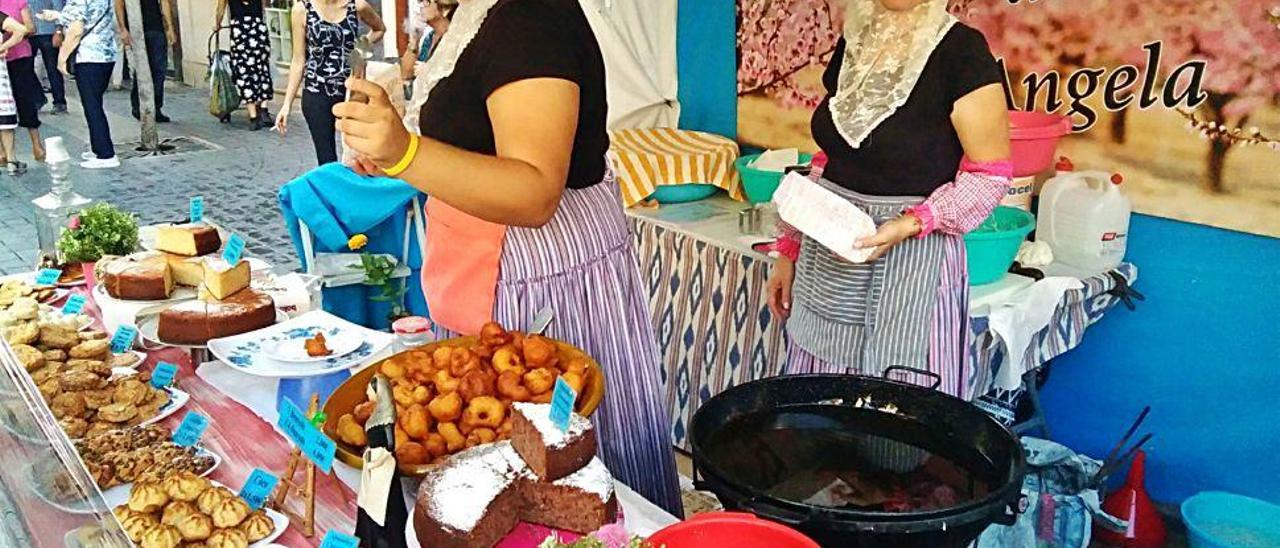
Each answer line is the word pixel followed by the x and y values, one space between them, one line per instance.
pixel 460 267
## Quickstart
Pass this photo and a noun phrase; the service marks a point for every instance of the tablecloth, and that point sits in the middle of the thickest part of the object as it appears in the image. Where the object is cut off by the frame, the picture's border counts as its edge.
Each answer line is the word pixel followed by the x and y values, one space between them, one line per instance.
pixel 707 298
pixel 647 157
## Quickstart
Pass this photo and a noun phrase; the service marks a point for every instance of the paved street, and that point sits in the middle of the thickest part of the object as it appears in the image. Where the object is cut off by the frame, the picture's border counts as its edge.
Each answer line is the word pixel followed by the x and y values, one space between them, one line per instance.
pixel 238 178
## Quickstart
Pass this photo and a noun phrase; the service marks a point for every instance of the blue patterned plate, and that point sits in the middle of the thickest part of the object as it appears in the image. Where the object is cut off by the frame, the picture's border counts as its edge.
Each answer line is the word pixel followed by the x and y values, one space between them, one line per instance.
pixel 290 346
pixel 249 353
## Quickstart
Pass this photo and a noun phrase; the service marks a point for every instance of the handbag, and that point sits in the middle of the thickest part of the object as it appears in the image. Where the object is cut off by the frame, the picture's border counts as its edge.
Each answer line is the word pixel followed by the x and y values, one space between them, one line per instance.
pixel 71 58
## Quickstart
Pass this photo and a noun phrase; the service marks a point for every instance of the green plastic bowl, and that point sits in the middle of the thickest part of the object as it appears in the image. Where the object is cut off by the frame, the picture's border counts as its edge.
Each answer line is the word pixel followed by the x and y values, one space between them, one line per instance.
pixel 679 194
pixel 760 185
pixel 991 248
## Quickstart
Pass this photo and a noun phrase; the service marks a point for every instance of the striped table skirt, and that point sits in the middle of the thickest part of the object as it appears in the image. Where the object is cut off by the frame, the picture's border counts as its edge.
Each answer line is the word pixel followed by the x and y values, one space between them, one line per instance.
pixel 715 330
pixel 646 158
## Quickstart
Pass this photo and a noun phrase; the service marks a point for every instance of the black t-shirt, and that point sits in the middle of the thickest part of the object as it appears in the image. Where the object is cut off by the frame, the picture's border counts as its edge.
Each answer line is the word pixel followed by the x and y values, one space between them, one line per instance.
pixel 241 8
pixel 523 39
pixel 916 150
pixel 152 17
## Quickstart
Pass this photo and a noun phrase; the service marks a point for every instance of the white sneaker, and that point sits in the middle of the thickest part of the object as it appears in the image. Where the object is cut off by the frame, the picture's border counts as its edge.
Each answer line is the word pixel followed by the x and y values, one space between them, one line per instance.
pixel 98 163
pixel 86 156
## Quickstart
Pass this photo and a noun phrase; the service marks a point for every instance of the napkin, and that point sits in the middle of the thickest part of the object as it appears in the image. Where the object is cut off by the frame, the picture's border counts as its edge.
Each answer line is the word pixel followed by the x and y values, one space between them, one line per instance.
pixel 1020 317
pixel 777 160
pixel 823 215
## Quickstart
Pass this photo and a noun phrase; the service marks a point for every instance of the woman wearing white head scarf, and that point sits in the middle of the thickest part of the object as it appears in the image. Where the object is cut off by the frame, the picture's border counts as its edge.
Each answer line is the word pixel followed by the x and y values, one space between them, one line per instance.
pixel 915 129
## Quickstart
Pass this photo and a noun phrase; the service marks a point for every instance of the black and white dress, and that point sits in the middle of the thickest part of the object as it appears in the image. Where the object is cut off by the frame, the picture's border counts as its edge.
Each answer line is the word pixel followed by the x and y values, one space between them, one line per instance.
pixel 328 47
pixel 250 51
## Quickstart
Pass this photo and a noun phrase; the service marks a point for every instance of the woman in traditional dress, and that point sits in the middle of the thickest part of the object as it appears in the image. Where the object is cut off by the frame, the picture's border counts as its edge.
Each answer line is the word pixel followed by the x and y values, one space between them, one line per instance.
pixel 524 212
pixel 915 129
pixel 15 32
pixel 250 58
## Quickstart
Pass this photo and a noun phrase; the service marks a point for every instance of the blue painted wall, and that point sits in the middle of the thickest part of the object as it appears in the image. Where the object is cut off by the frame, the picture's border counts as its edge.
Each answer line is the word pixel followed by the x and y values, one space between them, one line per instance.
pixel 1203 351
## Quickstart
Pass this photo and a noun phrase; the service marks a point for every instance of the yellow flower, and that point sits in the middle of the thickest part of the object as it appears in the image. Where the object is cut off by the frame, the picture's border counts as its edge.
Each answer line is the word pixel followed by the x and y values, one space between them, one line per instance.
pixel 357 242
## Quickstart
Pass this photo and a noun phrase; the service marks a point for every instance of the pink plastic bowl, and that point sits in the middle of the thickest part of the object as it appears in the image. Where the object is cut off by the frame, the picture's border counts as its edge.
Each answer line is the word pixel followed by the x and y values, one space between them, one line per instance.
pixel 1033 140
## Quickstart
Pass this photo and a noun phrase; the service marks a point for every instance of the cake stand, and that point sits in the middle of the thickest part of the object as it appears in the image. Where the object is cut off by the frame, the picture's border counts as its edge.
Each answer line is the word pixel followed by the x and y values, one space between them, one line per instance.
pixel 148 323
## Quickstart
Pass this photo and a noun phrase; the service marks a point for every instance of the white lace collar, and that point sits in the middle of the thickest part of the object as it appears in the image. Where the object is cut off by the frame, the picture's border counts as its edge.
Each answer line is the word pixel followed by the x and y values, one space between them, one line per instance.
pixel 463 28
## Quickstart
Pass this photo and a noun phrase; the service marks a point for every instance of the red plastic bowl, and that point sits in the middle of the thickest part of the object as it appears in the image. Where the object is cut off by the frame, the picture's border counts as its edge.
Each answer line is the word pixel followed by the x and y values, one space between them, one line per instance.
pixel 736 529
pixel 1033 140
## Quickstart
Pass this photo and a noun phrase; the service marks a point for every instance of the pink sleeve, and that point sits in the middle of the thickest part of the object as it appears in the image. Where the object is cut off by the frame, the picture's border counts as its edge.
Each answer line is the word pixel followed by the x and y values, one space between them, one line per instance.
pixel 960 206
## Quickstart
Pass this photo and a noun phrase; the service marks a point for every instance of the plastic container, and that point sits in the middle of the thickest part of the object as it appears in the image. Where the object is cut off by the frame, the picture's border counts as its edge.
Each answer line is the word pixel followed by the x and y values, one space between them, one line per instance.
pixel 1020 193
pixel 411 331
pixel 1084 217
pixel 1216 519
pixel 758 184
pixel 737 529
pixel 1033 140
pixel 679 194
pixel 991 248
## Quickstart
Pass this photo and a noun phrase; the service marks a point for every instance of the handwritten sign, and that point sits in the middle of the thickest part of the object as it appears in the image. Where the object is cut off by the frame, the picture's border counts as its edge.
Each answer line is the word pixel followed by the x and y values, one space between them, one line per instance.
pixel 197 209
pixel 562 404
pixel 123 339
pixel 48 276
pixel 74 304
pixel 257 489
pixel 305 435
pixel 233 250
pixel 190 429
pixel 338 539
pixel 163 374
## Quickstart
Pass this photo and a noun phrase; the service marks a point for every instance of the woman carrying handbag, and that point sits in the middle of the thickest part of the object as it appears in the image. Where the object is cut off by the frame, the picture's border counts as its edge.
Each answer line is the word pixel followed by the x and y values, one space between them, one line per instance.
pixel 89 50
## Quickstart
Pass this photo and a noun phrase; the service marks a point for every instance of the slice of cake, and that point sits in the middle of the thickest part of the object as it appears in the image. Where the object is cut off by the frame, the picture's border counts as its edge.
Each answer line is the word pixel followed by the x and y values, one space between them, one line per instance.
pixel 137 277
pixel 190 240
pixel 470 500
pixel 551 453
pixel 223 280
pixel 581 502
pixel 195 322
pixel 188 271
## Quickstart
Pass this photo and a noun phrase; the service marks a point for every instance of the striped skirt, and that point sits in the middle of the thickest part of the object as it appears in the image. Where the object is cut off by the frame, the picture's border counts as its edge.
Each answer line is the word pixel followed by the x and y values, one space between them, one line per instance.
pixel 908 308
pixel 583 266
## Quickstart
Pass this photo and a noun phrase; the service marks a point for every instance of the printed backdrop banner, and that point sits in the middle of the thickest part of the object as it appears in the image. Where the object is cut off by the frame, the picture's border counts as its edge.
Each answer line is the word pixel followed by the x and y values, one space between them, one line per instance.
pixel 1179 96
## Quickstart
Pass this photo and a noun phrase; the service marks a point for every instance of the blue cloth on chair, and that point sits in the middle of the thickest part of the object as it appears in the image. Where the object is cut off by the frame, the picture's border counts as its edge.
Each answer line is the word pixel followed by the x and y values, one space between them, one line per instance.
pixel 337 203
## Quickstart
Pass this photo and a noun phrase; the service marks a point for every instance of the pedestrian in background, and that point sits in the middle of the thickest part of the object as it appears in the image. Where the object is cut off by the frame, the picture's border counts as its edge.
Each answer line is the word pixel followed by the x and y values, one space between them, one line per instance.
pixel 157 35
pixel 27 93
pixel 14 32
pixel 45 42
pixel 91 36
pixel 250 58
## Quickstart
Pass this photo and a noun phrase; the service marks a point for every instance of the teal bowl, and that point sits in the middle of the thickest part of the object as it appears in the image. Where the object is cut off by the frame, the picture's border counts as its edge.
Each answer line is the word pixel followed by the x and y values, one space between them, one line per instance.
pixel 679 194
pixel 760 185
pixel 992 247
pixel 1224 520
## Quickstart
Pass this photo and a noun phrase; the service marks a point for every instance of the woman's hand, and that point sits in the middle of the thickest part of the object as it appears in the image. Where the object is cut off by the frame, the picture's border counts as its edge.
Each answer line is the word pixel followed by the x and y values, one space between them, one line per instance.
pixel 282 119
pixel 373 129
pixel 891 233
pixel 778 288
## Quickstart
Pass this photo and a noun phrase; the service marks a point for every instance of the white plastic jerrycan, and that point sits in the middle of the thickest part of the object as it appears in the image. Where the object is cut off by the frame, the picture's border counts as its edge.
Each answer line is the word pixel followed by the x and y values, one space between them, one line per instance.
pixel 1084 217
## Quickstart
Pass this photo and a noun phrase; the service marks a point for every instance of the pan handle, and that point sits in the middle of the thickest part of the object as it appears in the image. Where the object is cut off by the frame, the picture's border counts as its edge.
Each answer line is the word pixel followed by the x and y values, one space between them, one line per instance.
pixel 937 380
pixel 1007 515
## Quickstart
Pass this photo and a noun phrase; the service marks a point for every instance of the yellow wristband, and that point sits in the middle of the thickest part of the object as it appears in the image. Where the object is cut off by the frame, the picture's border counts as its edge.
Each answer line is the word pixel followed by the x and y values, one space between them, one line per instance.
pixel 409 154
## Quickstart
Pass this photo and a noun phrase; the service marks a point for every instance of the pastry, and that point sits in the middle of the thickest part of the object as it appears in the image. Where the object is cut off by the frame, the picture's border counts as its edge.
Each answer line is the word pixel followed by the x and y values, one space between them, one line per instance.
pixel 97 367
pixel 550 452
pixel 58 337
pixel 55 355
pixel 177 511
pixel 147 497
pixel 100 427
pixel 257 526
pixel 81 380
pixel 24 308
pixel 138 277
pixel 185 486
pixel 131 391
pixel 188 239
pixel 315 346
pixel 137 524
pixel 161 536
pixel 95 399
pixel 227 538
pixel 230 512
pixel 196 322
pixel 128 359
pixel 117 412
pixel 98 349
pixel 67 404
pixel 75 427
pixel 195 527
pixel 211 498
pixel 27 333
pixel 29 356
pixel 122 512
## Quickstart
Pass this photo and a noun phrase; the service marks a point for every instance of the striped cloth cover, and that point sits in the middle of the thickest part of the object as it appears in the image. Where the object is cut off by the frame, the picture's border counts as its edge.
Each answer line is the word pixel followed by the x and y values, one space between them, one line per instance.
pixel 647 157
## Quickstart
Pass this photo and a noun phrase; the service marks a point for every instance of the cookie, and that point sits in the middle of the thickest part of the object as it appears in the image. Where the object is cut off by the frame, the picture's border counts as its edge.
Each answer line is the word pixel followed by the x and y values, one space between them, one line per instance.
pixel 97 349
pixel 29 357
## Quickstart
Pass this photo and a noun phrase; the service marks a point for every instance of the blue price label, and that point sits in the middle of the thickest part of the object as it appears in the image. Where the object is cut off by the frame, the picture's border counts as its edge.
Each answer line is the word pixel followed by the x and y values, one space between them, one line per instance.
pixel 163 374
pixel 562 404
pixel 233 250
pixel 190 429
pixel 48 276
pixel 313 443
pixel 257 489
pixel 197 209
pixel 123 339
pixel 74 304
pixel 338 539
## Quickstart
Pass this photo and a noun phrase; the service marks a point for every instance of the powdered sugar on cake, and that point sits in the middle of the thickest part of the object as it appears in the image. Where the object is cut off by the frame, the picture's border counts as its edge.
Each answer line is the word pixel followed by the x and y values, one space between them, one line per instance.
pixel 468 485
pixel 539 416
pixel 593 478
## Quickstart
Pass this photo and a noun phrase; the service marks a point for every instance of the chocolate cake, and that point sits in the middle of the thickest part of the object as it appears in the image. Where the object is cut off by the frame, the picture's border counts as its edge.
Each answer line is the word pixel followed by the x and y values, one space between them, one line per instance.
pixel 137 277
pixel 189 240
pixel 550 452
pixel 195 322
pixel 478 496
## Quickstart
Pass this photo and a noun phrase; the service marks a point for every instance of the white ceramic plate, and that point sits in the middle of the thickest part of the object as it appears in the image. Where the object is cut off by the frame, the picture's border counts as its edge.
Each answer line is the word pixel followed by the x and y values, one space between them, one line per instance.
pixel 119 492
pixel 245 352
pixel 290 345
pixel 279 520
pixel 59 292
pixel 149 329
pixel 180 293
